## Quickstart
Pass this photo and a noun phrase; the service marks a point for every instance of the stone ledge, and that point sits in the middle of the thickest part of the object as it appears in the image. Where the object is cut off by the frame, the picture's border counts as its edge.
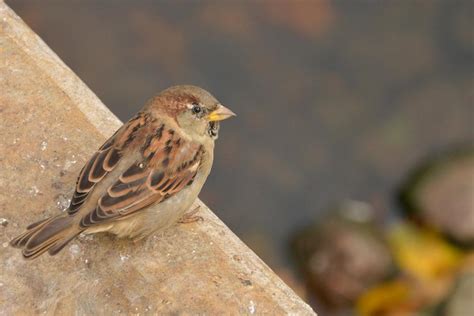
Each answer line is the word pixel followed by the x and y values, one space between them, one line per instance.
pixel 50 123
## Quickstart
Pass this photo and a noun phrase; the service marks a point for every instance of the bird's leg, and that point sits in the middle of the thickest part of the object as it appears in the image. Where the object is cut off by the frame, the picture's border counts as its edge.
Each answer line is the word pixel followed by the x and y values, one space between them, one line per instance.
pixel 190 217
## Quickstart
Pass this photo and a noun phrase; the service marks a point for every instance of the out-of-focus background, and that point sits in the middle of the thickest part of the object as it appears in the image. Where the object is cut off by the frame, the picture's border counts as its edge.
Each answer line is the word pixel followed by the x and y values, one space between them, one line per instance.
pixel 349 168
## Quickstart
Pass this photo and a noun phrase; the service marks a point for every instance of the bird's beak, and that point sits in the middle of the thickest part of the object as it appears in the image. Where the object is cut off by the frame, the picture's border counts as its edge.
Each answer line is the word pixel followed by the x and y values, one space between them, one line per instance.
pixel 219 114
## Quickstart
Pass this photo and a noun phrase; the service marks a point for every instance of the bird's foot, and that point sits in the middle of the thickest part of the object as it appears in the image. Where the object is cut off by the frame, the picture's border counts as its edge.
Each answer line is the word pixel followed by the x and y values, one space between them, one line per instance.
pixel 191 217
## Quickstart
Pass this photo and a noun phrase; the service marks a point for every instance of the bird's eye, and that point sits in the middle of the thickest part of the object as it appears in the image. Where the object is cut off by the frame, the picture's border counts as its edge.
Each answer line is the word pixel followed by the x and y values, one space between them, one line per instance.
pixel 196 109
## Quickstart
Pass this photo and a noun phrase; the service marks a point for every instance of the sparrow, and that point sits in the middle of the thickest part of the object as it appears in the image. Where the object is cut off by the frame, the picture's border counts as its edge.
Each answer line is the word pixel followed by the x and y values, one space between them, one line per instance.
pixel 162 156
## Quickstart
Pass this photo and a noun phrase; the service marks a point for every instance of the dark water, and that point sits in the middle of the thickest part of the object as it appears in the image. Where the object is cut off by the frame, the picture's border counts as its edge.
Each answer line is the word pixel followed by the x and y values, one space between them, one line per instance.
pixel 335 100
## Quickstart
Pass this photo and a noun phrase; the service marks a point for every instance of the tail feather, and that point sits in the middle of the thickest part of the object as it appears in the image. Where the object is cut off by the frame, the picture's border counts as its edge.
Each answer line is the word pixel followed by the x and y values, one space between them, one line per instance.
pixel 35 224
pixel 21 240
pixel 33 253
pixel 51 234
pixel 59 245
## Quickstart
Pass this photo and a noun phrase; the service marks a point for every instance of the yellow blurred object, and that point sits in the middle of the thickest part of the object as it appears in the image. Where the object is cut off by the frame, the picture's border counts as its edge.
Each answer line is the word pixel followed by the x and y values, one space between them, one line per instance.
pixel 428 264
pixel 383 298
pixel 423 253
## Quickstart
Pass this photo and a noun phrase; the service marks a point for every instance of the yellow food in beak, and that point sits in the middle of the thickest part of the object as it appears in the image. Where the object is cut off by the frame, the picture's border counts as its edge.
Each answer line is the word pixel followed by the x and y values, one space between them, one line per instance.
pixel 219 114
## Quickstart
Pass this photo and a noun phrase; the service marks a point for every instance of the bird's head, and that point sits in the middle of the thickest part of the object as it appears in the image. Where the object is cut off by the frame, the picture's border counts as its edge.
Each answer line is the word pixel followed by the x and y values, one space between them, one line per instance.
pixel 194 109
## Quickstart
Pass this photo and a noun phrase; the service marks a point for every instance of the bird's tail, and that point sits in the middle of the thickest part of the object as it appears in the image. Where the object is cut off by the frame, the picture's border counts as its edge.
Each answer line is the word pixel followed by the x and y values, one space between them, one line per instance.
pixel 50 235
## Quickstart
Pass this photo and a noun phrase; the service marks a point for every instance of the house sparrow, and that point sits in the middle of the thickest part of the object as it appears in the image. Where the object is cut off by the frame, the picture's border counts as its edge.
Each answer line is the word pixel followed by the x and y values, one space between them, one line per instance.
pixel 162 156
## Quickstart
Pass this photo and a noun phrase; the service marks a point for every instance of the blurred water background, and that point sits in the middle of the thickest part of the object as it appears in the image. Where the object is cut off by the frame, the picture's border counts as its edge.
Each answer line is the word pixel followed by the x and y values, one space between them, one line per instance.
pixel 336 100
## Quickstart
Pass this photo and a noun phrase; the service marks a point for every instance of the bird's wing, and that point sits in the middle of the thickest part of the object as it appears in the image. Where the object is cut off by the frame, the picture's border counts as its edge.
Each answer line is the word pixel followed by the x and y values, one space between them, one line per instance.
pixel 169 163
pixel 104 161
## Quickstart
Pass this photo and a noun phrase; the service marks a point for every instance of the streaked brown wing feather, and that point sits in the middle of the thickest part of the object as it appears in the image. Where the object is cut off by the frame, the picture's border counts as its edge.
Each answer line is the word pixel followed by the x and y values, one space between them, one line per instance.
pixel 169 164
pixel 104 161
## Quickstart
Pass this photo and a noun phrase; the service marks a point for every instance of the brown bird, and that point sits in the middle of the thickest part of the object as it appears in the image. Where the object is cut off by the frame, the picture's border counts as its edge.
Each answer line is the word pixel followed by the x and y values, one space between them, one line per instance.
pixel 161 156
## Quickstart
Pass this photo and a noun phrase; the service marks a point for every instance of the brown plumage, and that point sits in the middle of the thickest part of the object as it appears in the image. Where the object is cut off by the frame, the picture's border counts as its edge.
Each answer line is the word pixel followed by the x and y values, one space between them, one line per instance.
pixel 162 156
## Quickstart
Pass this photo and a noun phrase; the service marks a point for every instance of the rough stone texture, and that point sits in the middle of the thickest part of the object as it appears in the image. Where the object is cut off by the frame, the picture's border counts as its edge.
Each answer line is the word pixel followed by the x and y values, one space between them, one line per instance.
pixel 50 123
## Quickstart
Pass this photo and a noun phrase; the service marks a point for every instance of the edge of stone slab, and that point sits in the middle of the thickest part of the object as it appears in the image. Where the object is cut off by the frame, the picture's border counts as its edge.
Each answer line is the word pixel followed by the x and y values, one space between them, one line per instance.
pixel 232 245
pixel 106 123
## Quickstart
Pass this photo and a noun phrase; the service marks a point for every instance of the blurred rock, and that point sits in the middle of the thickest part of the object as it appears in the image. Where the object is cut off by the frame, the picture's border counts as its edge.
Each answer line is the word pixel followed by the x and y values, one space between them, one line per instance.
pixel 344 255
pixel 440 194
pixel 461 301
